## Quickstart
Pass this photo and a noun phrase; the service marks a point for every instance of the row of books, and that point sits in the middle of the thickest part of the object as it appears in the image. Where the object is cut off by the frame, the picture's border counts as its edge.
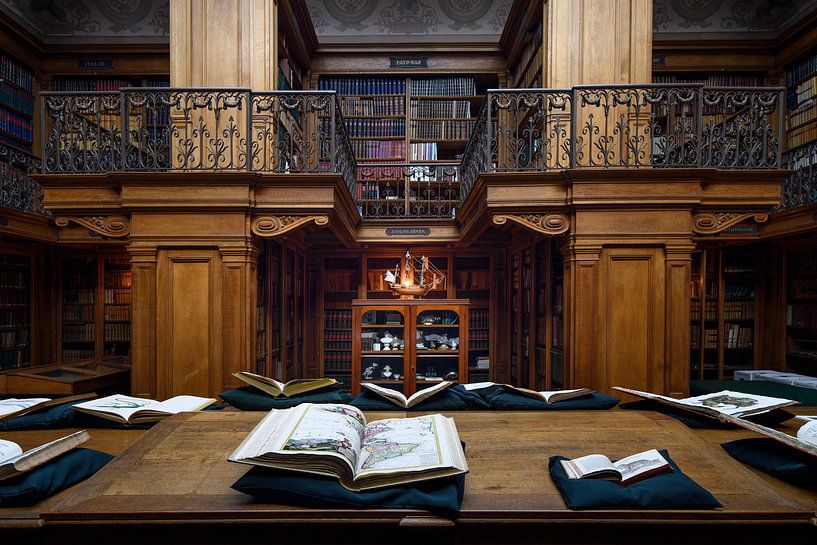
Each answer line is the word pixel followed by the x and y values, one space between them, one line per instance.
pixel 78 279
pixel 352 106
pixel 440 109
pixel 804 316
pixel 13 296
pixel 337 361
pixel 13 359
pixel 801 116
pixel 479 335
pixel 117 279
pixel 803 287
pixel 13 318
pixel 379 149
pixel 473 280
pixel 478 318
pixel 78 332
pixel 117 332
pixel 804 262
pixel 424 151
pixel 117 313
pixel 713 80
pixel 521 73
pixel 16 125
pixel 77 313
pixel 738 267
pixel 13 279
pixel 478 344
pixel 738 290
pixel 363 85
pixel 558 334
pixel 802 135
pixel 736 336
pixel 337 319
pixel 443 129
pixel 79 296
pixel 357 127
pixel 16 73
pixel 446 86
pixel 738 310
pixel 120 296
pixel 369 191
pixel 90 84
pixel 802 70
pixel 710 312
pixel 74 354
pixel 16 98
pixel 13 339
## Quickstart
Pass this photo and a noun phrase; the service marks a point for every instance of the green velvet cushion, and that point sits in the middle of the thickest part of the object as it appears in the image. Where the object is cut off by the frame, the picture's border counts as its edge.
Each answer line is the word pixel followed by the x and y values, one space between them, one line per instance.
pixel 505 399
pixel 57 416
pixel 695 420
pixel 779 460
pixel 248 398
pixel 672 490
pixel 442 496
pixel 450 399
pixel 52 477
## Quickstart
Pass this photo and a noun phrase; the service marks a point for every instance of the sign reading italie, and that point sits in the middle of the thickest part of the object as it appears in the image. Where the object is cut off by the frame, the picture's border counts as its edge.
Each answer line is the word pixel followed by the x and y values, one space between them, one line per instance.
pixel 409 62
pixel 94 64
pixel 408 231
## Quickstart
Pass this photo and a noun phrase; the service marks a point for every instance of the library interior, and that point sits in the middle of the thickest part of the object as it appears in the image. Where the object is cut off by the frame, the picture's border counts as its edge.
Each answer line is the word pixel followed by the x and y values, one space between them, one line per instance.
pixel 539 194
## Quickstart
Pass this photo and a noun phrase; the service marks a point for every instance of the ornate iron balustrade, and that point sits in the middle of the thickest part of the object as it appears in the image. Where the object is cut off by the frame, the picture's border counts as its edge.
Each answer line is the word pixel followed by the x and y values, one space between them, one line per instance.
pixel 625 126
pixel 801 188
pixel 194 130
pixel 417 190
pixel 19 191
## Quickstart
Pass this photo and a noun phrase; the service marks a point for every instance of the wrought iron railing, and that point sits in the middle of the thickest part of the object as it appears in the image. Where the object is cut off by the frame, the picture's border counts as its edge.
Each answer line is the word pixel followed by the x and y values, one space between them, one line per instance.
pixel 625 126
pixel 19 191
pixel 800 188
pixel 195 130
pixel 416 190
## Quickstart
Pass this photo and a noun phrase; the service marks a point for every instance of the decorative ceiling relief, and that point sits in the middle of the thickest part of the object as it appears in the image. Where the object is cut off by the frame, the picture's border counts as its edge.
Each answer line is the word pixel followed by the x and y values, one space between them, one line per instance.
pixel 372 21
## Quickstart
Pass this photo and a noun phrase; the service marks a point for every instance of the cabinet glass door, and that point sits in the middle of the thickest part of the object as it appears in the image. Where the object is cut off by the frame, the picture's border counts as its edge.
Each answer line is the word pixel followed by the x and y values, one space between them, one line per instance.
pixel 437 346
pixel 383 348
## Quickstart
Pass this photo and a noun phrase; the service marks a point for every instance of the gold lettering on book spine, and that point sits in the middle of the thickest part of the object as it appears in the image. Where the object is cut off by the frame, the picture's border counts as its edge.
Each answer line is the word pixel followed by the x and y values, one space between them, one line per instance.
pixel 109 226
pixel 709 223
pixel 547 224
pixel 273 226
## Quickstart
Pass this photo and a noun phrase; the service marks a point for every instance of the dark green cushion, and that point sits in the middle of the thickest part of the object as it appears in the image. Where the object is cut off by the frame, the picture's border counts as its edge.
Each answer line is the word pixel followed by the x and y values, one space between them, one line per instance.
pixel 57 416
pixel 443 495
pixel 52 477
pixel 248 398
pixel 450 399
pixel 694 420
pixel 806 396
pixel 505 399
pixel 779 460
pixel 672 490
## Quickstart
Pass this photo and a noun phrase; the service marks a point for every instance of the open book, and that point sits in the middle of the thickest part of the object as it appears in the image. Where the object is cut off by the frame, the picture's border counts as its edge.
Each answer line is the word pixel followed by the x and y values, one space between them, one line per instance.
pixel 805 441
pixel 279 389
pixel 12 408
pixel 725 402
pixel 13 461
pixel 335 440
pixel 548 396
pixel 400 399
pixel 135 410
pixel 626 471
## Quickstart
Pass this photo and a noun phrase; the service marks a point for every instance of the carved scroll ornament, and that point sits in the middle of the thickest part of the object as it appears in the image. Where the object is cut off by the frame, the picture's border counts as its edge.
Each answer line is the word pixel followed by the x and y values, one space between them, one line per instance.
pixel 109 226
pixel 709 223
pixel 273 226
pixel 547 224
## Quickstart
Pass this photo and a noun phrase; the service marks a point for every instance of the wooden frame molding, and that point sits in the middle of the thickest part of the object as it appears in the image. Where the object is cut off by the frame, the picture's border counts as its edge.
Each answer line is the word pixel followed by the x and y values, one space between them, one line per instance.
pixel 273 226
pixel 547 224
pixel 109 226
pixel 710 223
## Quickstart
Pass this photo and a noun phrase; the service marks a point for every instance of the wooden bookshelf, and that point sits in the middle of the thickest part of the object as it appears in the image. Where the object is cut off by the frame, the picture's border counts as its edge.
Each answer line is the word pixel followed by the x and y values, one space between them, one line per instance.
pixel 16 103
pixel 15 311
pixel 472 276
pixel 523 42
pixel 341 282
pixel 801 310
pixel 801 117
pixel 117 303
pixel 262 314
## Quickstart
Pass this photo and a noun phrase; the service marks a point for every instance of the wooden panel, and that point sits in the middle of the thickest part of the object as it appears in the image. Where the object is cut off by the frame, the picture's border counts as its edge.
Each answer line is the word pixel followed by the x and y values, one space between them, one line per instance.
pixel 143 321
pixel 581 321
pixel 239 294
pixel 632 299
pixel 676 352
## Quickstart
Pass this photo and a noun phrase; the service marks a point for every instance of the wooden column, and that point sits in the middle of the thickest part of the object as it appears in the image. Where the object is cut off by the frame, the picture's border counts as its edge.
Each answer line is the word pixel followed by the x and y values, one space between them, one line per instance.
pixel 143 320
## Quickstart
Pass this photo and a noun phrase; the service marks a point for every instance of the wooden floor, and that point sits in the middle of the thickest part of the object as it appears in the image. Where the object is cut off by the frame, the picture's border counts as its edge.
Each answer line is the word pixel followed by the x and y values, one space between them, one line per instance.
pixel 172 485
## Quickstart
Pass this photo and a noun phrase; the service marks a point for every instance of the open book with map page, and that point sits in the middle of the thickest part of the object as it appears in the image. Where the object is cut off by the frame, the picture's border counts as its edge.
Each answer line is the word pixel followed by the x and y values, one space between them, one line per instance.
pixel 336 440
pixel 725 402
pixel 804 441
pixel 277 388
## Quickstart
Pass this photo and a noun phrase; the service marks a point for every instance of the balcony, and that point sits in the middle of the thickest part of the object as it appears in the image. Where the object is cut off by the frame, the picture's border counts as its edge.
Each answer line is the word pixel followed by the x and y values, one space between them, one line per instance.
pixel 801 188
pixel 19 191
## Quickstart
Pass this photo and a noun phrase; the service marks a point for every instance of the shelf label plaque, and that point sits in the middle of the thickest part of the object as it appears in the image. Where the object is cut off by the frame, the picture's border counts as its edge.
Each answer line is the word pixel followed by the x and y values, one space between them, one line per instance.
pixel 409 62
pixel 408 231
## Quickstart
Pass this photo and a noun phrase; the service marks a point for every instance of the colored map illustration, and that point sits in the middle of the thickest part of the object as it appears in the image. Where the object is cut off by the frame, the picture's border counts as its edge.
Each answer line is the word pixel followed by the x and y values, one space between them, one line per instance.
pixel 328 428
pixel 387 447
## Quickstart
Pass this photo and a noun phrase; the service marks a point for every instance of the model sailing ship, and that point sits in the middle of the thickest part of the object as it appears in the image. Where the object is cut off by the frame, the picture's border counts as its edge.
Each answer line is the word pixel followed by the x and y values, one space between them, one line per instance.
pixel 420 277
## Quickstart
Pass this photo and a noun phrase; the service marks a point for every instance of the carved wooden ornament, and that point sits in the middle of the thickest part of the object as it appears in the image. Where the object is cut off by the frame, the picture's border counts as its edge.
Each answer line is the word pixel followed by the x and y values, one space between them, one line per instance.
pixel 710 223
pixel 109 226
pixel 547 224
pixel 273 226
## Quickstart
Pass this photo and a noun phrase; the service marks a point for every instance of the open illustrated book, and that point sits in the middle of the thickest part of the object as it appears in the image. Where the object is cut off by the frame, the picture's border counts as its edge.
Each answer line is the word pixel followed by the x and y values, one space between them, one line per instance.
pixel 552 396
pixel 136 410
pixel 335 440
pixel 805 441
pixel 279 389
pixel 400 399
pixel 718 404
pixel 12 408
pixel 629 470
pixel 13 461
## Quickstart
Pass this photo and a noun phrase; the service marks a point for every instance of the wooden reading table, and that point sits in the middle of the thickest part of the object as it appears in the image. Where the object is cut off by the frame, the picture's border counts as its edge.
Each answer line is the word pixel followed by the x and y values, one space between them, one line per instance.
pixel 173 486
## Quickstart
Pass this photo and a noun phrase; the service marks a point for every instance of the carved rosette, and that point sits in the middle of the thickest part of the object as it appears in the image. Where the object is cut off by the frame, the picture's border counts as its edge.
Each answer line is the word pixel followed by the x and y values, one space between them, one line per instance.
pixel 273 226
pixel 710 223
pixel 547 224
pixel 109 226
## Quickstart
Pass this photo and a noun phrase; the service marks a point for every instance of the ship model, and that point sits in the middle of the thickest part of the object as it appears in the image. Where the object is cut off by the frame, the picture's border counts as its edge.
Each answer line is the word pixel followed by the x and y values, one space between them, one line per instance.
pixel 418 278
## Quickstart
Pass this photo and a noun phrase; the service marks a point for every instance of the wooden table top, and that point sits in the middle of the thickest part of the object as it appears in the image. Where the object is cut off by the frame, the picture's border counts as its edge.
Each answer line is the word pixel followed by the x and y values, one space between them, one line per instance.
pixel 178 473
